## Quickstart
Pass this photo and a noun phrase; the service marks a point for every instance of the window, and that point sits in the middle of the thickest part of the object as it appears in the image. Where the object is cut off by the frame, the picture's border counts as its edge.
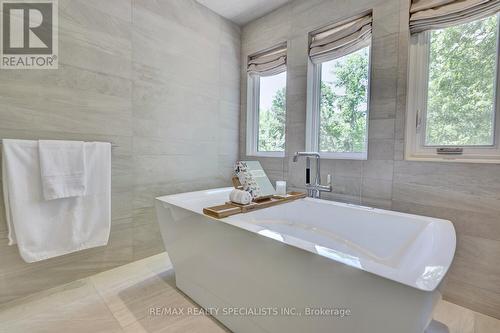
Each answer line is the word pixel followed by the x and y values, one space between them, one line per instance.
pixel 338 90
pixel 272 113
pixel 266 107
pixel 343 105
pixel 267 111
pixel 453 94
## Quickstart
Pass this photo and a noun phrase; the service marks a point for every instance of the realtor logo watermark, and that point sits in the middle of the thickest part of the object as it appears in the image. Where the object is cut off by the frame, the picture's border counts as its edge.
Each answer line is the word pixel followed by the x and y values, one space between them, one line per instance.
pixel 29 38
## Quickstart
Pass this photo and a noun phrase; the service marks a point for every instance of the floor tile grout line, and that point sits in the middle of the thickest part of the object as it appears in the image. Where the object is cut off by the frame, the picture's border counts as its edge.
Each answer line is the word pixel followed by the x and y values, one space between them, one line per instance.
pixel 104 301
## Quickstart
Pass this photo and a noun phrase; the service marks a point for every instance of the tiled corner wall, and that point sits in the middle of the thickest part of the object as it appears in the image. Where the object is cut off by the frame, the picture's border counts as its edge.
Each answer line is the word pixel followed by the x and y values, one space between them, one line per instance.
pixel 466 194
pixel 158 78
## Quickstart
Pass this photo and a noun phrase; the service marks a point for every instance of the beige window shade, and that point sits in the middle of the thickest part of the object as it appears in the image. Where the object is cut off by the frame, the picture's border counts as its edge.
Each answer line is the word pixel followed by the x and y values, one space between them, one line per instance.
pixel 438 14
pixel 267 63
pixel 341 40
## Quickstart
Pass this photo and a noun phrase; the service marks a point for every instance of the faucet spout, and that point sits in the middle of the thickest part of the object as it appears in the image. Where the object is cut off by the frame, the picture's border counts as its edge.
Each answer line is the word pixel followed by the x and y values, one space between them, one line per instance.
pixel 305 153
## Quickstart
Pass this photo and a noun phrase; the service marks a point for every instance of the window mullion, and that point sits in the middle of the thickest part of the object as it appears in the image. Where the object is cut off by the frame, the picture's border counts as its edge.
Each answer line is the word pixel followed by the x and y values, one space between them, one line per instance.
pixel 496 115
pixel 317 108
pixel 424 78
pixel 256 113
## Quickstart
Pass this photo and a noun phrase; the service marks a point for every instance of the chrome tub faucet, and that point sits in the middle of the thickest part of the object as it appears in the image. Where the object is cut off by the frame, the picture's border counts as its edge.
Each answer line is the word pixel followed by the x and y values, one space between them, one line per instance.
pixel 314 189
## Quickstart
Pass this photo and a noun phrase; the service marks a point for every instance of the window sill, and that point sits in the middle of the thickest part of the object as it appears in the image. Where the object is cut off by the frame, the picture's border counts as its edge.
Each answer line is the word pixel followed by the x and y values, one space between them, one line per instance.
pixel 267 154
pixel 455 159
pixel 344 156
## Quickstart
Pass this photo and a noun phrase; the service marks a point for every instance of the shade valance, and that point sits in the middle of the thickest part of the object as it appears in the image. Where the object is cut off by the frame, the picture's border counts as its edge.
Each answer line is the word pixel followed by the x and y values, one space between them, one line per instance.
pixel 438 14
pixel 267 63
pixel 340 40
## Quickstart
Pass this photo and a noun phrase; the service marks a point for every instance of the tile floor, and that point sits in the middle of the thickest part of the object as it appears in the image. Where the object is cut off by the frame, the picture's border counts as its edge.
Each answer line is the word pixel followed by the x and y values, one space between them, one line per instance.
pixel 120 300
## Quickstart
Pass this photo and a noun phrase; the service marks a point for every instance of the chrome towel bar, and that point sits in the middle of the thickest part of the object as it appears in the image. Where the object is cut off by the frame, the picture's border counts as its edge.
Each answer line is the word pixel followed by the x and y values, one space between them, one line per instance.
pixel 113 145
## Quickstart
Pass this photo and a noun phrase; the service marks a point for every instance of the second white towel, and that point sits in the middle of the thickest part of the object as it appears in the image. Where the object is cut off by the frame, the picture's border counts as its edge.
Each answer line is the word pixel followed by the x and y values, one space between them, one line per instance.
pixel 62 168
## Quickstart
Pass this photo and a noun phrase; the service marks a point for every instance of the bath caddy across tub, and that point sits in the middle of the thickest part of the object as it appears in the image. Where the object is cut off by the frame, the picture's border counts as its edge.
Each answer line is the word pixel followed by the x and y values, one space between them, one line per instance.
pixel 231 208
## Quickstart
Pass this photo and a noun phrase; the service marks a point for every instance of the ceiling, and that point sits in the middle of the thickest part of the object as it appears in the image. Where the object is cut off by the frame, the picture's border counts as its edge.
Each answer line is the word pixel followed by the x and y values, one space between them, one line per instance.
pixel 242 11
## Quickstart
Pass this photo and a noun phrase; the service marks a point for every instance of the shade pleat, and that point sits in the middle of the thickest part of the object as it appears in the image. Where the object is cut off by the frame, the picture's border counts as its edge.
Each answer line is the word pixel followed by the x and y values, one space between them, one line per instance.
pixel 438 14
pixel 267 63
pixel 341 40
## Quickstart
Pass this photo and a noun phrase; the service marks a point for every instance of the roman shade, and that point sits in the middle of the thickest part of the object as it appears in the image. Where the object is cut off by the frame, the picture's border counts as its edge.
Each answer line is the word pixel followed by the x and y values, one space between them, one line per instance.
pixel 438 14
pixel 340 40
pixel 268 63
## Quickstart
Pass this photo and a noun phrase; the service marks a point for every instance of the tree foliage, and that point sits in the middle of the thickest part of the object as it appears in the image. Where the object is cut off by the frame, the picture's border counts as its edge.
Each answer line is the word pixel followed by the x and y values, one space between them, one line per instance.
pixel 272 124
pixel 344 105
pixel 461 84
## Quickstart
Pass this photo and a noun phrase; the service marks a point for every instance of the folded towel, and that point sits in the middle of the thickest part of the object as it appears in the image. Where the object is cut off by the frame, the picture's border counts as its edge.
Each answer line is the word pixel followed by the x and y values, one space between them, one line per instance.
pixel 47 228
pixel 62 167
pixel 240 197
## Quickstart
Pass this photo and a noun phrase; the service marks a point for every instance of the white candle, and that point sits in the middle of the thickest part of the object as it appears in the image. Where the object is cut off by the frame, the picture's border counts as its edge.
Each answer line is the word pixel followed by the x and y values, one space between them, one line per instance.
pixel 280 187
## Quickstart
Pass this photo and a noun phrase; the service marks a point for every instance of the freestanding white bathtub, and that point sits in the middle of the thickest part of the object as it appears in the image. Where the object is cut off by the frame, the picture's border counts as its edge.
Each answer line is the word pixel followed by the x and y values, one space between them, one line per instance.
pixel 307 266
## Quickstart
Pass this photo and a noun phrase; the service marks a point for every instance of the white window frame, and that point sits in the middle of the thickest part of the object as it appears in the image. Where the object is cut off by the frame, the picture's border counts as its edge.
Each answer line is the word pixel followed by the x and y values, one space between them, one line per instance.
pixel 252 137
pixel 313 111
pixel 418 75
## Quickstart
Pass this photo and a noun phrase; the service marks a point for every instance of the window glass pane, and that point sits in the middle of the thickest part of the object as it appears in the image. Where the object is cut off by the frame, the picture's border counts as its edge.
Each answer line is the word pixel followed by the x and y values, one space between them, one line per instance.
pixel 462 71
pixel 272 113
pixel 344 103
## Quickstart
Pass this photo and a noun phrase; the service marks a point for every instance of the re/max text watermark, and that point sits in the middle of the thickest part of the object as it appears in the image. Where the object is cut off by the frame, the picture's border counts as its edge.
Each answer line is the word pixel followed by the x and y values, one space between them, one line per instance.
pixel 252 311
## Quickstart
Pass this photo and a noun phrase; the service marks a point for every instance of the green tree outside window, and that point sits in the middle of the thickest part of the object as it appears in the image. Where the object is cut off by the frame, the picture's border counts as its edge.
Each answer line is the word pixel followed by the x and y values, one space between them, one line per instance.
pixel 461 91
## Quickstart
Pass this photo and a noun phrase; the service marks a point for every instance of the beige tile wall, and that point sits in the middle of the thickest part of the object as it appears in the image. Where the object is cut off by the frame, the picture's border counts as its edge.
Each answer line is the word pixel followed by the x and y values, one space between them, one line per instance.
pixel 467 194
pixel 158 78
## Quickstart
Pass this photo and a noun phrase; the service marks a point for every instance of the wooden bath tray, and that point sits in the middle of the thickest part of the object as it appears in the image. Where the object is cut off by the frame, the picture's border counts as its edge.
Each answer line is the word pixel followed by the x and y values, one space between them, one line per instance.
pixel 231 208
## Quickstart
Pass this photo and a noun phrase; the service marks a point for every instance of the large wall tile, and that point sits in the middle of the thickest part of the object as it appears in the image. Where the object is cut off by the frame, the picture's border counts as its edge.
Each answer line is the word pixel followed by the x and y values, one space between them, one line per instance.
pixel 472 297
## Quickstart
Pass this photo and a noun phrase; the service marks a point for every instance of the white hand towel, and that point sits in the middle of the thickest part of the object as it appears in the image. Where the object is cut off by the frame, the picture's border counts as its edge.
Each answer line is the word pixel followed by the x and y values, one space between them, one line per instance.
pixel 62 166
pixel 48 228
pixel 240 197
